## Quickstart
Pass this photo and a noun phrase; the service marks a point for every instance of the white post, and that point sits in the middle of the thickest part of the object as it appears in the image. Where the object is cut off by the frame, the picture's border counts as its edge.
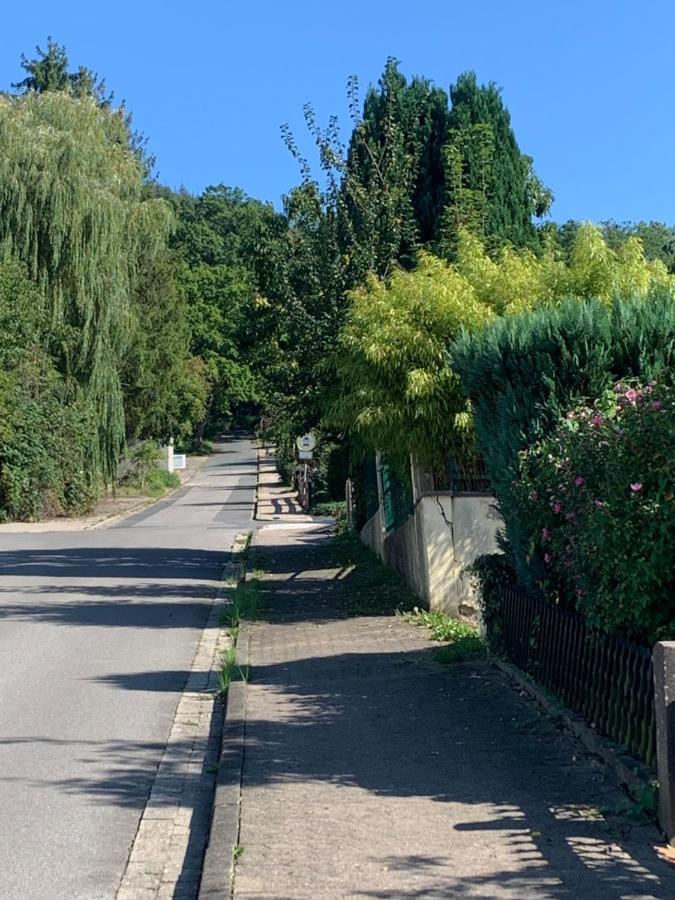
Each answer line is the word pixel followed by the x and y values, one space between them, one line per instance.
pixel 169 456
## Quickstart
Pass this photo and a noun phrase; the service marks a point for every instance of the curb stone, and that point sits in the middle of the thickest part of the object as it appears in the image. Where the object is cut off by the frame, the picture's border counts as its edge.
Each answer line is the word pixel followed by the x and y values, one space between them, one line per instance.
pixel 166 854
pixel 217 881
pixel 624 770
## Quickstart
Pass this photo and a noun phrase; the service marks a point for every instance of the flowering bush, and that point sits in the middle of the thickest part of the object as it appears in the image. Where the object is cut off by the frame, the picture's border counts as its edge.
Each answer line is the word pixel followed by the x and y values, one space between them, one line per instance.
pixel 597 498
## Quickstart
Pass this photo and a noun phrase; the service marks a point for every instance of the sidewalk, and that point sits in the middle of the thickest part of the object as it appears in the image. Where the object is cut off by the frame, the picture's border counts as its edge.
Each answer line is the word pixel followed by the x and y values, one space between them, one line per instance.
pixel 370 770
pixel 276 502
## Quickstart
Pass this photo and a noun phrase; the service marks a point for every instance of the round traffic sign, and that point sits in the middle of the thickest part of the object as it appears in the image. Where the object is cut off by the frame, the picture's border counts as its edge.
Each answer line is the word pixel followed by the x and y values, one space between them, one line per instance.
pixel 306 442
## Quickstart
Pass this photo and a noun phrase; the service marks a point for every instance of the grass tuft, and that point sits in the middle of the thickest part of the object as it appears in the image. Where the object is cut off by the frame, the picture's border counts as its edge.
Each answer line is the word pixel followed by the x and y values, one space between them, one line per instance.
pixel 462 640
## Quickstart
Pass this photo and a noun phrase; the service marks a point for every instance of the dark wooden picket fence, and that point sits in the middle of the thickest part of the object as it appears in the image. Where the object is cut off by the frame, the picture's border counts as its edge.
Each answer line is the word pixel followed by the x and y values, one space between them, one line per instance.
pixel 608 680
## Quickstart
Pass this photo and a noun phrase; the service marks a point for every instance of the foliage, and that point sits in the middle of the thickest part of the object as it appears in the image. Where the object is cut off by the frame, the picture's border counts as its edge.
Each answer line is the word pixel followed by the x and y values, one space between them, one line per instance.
pixel 48 71
pixel 462 640
pixel 522 374
pixel 396 391
pixel 393 192
pixel 491 187
pixel 165 387
pixel 46 424
pixel 597 498
pixel 493 571
pixel 657 239
pixel 72 209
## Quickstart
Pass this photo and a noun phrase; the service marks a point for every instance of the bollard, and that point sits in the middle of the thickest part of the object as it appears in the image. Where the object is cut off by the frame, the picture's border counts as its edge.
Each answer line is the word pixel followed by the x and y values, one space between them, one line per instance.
pixel 664 699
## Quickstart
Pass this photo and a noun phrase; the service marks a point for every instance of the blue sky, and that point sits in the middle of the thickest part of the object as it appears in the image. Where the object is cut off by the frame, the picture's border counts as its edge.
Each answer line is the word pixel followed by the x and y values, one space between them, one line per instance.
pixel 590 85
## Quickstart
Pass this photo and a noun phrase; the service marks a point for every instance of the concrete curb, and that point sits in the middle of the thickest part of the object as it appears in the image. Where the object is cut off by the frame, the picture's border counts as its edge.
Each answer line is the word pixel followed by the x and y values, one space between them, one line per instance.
pixel 217 881
pixel 625 771
pixel 167 851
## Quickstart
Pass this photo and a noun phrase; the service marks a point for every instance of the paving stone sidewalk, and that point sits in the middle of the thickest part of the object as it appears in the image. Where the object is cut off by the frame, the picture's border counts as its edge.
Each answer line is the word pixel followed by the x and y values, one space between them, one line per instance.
pixel 370 770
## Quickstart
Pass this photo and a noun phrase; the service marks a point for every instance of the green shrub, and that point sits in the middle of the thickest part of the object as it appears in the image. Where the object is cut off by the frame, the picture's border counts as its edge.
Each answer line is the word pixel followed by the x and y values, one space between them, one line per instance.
pixel 523 373
pixel 493 571
pixel 596 503
pixel 161 481
pixel 46 438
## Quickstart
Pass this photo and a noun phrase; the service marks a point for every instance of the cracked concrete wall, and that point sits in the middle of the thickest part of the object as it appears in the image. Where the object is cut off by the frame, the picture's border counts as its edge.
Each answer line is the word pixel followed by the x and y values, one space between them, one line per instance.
pixel 434 547
pixel 457 529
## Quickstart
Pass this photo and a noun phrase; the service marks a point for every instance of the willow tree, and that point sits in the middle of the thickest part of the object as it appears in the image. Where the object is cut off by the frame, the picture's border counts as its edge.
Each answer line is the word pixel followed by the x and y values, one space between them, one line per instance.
pixel 73 209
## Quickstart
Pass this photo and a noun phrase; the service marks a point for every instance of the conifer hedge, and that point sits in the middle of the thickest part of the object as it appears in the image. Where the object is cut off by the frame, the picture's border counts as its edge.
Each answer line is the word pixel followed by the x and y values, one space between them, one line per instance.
pixel 523 373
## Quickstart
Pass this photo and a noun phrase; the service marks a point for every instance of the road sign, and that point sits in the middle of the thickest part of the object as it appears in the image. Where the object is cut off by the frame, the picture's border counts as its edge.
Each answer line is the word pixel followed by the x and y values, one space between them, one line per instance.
pixel 306 442
pixel 305 454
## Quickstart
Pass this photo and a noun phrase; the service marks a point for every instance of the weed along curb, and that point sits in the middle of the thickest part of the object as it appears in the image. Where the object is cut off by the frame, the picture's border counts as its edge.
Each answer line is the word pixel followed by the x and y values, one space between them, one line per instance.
pixel 223 848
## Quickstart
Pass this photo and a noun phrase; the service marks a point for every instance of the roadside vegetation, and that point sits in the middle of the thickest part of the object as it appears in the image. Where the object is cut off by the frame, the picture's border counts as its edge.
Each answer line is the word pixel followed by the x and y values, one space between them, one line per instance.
pixel 461 639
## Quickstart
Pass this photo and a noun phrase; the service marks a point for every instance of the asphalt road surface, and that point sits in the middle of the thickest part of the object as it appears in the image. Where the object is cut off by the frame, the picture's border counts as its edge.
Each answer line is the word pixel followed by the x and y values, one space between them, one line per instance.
pixel 97 636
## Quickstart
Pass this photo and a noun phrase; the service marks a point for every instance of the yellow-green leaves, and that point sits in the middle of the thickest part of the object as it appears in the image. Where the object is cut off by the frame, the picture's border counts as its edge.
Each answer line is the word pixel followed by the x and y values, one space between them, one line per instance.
pixel 397 391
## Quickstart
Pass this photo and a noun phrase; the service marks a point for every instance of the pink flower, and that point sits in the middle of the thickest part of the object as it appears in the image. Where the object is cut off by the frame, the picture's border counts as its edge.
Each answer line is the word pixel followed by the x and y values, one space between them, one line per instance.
pixel 556 506
pixel 547 558
pixel 631 395
pixel 599 503
pixel 597 421
pixel 571 415
pixel 618 388
pixel 636 486
pixel 579 481
pixel 546 534
pixel 656 404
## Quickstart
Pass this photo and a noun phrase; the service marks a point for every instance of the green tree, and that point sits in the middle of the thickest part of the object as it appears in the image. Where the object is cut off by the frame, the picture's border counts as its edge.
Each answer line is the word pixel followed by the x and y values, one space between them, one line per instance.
pixel 48 71
pixel 73 209
pixel 492 188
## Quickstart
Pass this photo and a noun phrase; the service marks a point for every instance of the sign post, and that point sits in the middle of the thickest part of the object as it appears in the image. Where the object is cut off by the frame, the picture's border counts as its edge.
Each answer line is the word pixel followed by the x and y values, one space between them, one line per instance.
pixel 305 444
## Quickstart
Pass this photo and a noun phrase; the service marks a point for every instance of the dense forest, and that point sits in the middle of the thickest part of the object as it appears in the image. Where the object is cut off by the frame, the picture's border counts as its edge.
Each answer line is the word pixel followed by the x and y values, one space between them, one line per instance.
pixel 131 312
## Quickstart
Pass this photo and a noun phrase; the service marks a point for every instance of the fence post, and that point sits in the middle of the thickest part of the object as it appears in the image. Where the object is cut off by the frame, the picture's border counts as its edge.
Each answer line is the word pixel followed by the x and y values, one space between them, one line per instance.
pixel 664 698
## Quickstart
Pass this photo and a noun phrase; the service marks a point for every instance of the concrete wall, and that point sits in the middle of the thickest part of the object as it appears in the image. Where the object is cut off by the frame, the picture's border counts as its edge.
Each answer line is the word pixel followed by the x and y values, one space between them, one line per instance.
pixel 433 548
pixel 405 552
pixel 372 533
pixel 457 530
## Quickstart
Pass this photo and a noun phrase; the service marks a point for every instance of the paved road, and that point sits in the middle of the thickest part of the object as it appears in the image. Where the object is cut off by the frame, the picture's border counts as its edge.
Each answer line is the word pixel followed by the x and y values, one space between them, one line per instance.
pixel 97 636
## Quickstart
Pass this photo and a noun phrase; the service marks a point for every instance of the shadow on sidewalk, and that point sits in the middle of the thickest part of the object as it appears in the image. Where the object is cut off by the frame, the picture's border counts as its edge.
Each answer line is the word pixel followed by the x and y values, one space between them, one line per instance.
pixel 359 703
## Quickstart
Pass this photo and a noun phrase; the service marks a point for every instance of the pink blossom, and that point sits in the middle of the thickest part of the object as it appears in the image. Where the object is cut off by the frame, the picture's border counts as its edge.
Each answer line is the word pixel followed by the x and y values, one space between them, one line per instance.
pixel 631 395
pixel 547 557
pixel 579 481
pixel 618 388
pixel 597 421
pixel 599 503
pixel 546 534
pixel 556 506
pixel 571 415
pixel 636 486
pixel 656 404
